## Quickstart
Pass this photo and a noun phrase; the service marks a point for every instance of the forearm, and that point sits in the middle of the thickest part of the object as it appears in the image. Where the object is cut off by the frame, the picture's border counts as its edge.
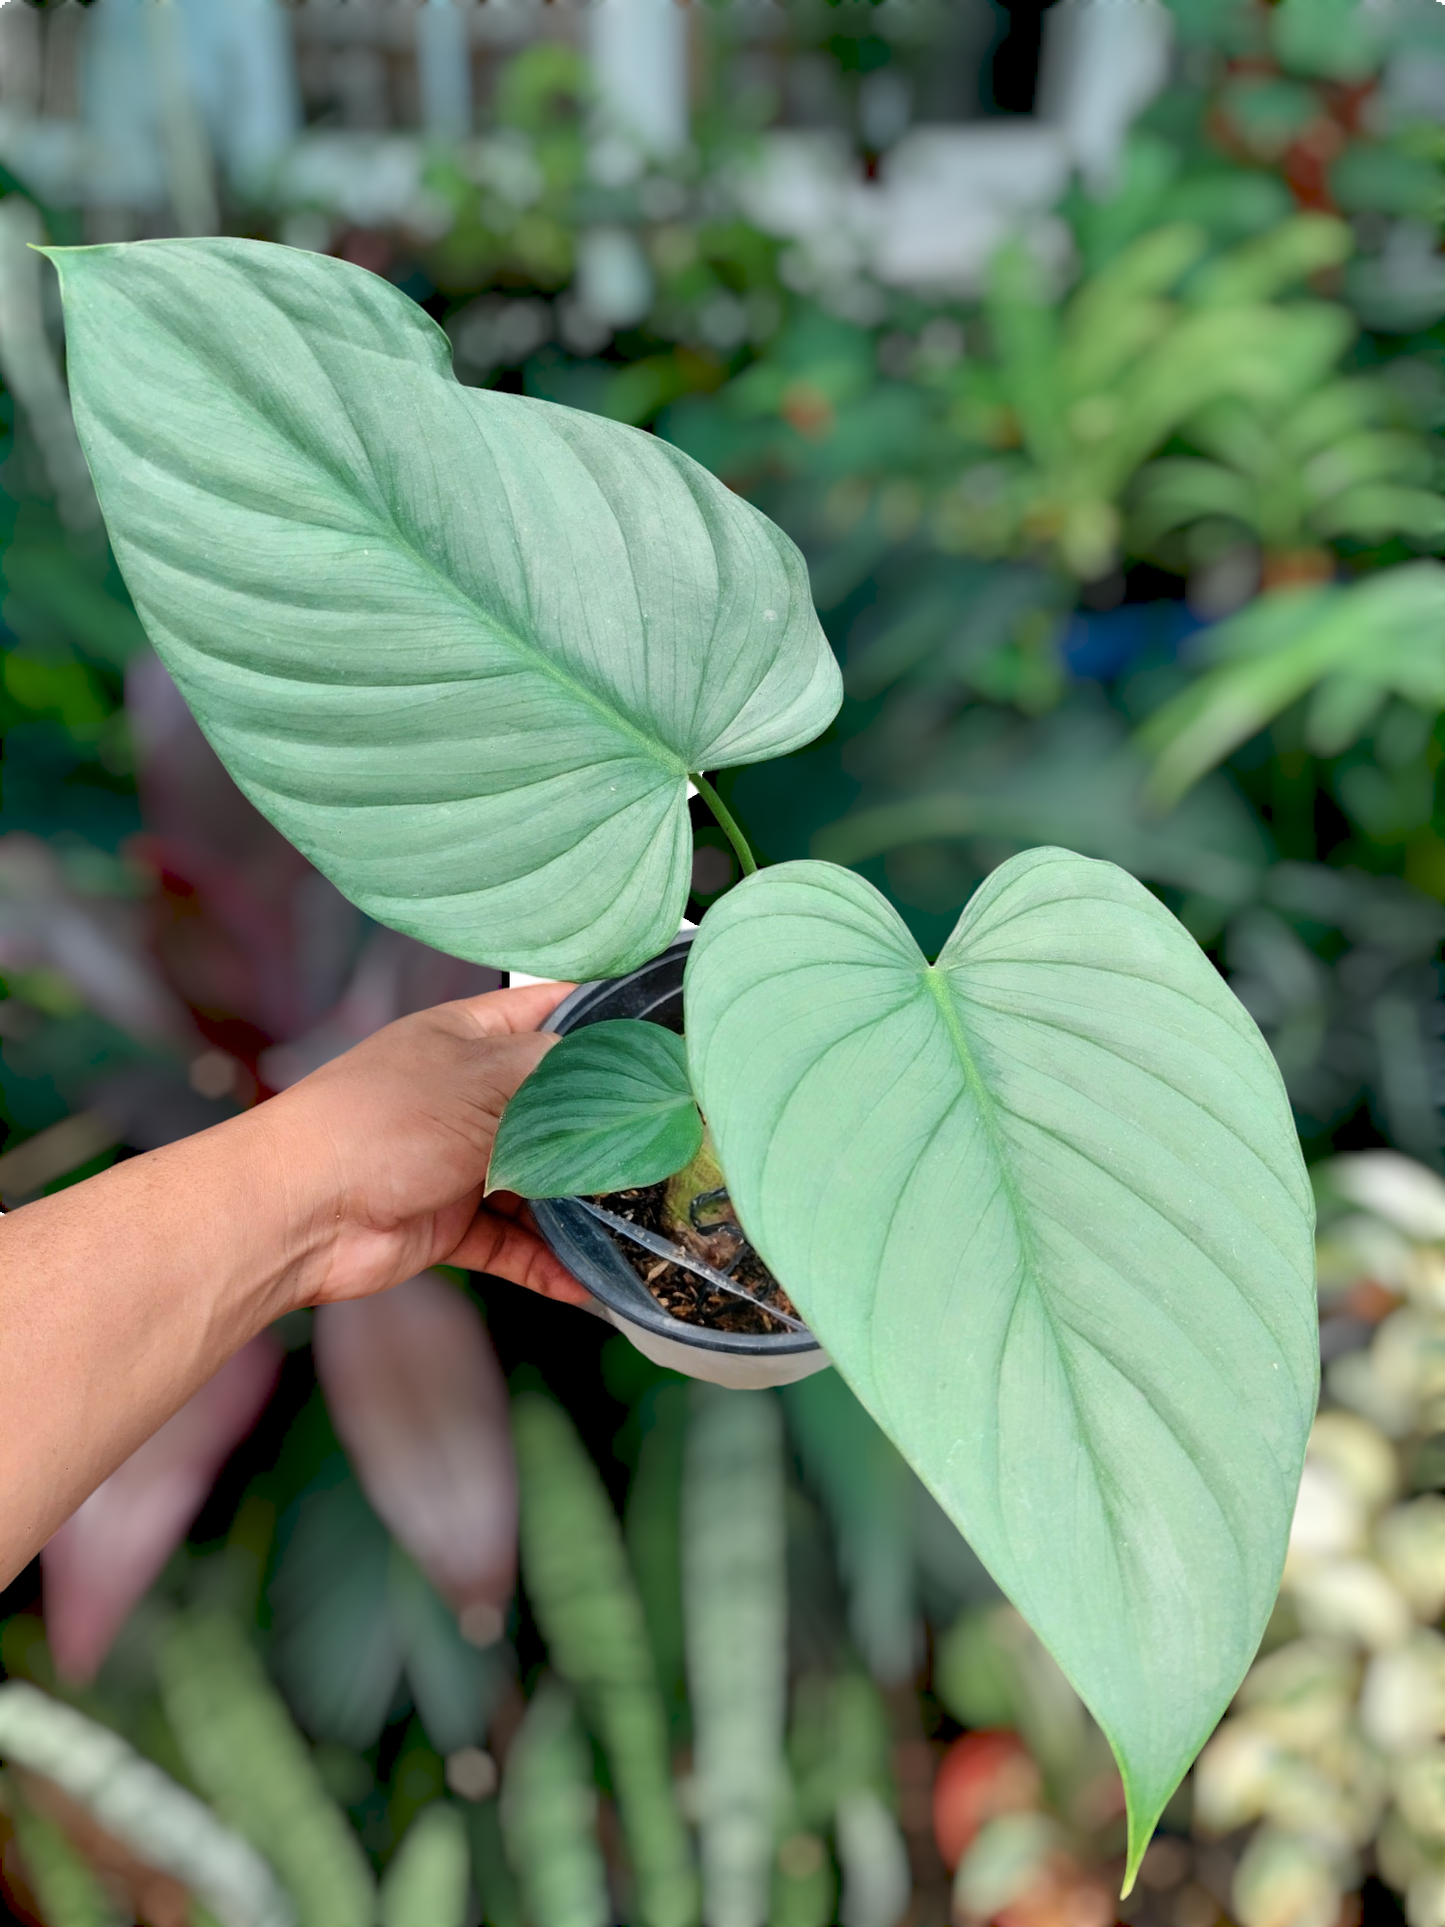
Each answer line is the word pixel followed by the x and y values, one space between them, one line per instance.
pixel 121 1297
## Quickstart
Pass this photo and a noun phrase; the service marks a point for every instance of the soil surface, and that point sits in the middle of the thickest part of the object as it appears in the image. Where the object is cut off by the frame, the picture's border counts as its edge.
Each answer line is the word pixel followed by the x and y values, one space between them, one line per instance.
pixel 718 1241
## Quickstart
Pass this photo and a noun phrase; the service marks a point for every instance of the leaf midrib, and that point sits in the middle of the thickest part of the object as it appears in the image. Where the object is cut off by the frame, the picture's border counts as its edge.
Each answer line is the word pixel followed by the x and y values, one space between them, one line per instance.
pixel 388 529
pixel 933 975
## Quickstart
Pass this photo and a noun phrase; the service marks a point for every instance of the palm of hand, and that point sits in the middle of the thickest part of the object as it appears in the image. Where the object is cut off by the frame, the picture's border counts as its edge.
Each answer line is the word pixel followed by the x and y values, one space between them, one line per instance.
pixel 404 1126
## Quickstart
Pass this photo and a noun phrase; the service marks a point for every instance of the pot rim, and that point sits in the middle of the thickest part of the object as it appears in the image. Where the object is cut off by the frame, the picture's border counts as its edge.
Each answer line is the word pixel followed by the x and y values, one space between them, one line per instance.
pixel 587 1250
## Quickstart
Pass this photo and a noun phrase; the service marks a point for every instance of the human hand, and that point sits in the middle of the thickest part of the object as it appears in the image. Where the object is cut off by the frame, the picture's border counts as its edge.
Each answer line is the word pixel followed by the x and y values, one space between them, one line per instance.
pixel 391 1142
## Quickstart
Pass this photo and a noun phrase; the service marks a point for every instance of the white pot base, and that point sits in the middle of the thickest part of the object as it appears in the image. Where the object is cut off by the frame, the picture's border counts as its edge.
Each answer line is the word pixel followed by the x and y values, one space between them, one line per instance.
pixel 738 1371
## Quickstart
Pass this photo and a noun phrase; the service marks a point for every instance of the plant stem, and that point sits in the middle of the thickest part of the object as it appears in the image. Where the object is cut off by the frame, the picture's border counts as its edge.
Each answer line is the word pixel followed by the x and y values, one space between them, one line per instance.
pixel 726 822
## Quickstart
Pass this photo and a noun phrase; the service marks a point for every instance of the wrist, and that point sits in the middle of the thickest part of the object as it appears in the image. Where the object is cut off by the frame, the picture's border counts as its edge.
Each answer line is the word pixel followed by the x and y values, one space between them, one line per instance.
pixel 299 1195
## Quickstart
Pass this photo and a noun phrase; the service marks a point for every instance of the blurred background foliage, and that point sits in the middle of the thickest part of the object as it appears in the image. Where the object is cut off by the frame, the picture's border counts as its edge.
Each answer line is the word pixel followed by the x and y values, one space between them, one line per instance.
pixel 1102 381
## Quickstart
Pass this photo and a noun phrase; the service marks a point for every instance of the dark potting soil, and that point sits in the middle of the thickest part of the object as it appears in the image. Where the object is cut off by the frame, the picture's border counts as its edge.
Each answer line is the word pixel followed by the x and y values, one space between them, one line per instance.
pixel 718 1242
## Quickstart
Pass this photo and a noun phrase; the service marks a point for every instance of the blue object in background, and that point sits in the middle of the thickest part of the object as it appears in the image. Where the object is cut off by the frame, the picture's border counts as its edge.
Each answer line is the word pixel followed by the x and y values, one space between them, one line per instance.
pixel 1098 645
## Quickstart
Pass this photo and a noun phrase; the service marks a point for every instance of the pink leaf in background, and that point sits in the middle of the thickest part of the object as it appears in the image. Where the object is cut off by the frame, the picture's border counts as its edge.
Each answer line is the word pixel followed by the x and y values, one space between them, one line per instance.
pixel 107 1554
pixel 242 922
pixel 394 976
pixel 418 1400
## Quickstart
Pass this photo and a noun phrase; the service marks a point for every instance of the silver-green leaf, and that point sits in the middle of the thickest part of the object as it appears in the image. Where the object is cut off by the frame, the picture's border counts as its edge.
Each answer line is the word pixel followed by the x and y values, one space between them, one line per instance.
pixel 461 647
pixel 1044 1205
pixel 608 1107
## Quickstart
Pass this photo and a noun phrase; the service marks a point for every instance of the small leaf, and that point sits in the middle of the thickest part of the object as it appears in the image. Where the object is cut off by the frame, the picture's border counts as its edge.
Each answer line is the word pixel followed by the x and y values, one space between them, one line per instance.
pixel 462 648
pixel 1044 1205
pixel 609 1107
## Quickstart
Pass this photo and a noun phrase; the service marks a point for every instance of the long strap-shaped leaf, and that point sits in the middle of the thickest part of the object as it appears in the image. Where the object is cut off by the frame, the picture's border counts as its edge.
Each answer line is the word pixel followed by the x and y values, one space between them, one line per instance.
pixel 61 1878
pixel 871 1498
pixel 240 1743
pixel 586 1602
pixel 428 1883
pixel 1044 1205
pixel 549 1815
pixel 735 1592
pixel 461 647
pixel 131 1799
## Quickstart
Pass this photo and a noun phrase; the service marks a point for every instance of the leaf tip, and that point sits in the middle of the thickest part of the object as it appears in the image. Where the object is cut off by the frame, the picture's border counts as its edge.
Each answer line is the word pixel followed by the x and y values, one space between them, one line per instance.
pixel 1143 1819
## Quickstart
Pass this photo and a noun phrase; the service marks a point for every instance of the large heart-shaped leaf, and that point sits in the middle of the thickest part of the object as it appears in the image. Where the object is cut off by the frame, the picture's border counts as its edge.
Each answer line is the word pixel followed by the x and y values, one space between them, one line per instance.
pixel 1044 1205
pixel 461 647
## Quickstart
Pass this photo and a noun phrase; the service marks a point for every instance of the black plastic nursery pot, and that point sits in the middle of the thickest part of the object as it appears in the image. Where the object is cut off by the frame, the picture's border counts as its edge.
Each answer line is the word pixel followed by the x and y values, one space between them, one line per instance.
pixel 743 1360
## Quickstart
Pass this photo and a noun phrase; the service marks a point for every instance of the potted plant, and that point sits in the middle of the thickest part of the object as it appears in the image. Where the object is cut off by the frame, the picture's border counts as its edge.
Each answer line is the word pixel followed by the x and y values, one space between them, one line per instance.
pixel 1040 1199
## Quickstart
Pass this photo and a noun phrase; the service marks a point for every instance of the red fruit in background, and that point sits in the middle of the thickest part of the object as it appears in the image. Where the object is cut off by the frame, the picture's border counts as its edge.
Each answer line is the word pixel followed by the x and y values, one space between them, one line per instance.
pixel 982 1775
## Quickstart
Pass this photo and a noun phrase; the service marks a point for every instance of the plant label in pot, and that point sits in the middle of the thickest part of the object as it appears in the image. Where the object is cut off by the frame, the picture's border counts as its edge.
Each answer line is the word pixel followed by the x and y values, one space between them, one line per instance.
pixel 1039 1198
pixel 654 1256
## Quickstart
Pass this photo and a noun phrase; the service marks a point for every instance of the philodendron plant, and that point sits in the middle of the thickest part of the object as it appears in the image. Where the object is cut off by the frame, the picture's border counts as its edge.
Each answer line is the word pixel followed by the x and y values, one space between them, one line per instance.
pixel 1040 1199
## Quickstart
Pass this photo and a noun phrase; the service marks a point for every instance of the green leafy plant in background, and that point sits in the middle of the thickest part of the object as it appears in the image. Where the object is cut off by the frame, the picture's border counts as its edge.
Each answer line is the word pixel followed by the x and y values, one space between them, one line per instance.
pixel 734 1589
pixel 512 210
pixel 576 1569
pixel 590 621
pixel 239 1741
pixel 830 1790
pixel 1348 650
pixel 839 433
pixel 1089 389
pixel 549 1813
pixel 166 1826
pixel 1329 463
pixel 428 1883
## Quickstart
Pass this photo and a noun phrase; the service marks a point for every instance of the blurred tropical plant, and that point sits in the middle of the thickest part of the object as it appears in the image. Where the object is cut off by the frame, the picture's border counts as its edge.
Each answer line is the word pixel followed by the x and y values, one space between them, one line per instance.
pixel 957 488
pixel 1349 650
pixel 1330 463
pixel 802 1766
pixel 185 1706
pixel 1088 390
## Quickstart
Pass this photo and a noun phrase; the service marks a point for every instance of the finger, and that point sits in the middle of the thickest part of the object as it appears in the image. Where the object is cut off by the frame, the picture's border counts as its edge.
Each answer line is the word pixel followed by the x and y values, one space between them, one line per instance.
pixel 510 1251
pixel 497 1012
